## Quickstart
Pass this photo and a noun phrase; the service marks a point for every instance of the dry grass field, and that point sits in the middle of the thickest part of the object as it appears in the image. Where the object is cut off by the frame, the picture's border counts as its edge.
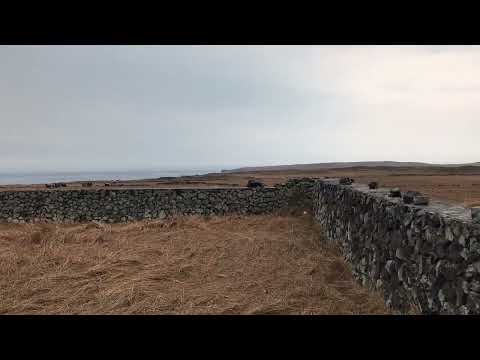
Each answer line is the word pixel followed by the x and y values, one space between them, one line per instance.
pixel 193 265
pixel 190 265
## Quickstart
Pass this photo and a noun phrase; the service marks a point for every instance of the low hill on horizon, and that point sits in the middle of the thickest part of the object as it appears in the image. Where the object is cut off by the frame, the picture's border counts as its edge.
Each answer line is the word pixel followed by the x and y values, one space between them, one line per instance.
pixel 342 165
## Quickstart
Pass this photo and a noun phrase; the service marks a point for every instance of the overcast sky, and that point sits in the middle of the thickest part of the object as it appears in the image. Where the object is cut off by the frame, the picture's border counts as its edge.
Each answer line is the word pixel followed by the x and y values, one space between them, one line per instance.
pixel 144 107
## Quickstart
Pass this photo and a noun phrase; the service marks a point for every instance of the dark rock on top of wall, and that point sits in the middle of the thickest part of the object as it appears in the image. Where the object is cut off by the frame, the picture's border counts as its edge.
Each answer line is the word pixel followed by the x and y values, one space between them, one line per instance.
pixel 255 184
pixel 346 181
pixel 409 196
pixel 373 185
pixel 475 214
pixel 395 192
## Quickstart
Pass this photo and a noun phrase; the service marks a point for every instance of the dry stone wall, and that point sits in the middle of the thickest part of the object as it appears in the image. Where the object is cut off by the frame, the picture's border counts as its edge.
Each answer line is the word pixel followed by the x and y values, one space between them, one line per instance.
pixel 427 257
pixel 109 205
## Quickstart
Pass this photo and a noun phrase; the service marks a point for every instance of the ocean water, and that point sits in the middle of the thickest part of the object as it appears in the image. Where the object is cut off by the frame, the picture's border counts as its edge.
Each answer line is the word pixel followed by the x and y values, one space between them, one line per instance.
pixel 46 177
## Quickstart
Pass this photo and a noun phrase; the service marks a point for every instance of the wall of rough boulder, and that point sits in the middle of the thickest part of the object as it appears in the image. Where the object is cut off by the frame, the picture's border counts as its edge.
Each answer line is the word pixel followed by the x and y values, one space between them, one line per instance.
pixel 423 258
pixel 113 205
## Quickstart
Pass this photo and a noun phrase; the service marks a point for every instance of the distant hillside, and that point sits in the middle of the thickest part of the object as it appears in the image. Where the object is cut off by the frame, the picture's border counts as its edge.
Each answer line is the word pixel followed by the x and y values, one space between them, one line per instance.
pixel 341 165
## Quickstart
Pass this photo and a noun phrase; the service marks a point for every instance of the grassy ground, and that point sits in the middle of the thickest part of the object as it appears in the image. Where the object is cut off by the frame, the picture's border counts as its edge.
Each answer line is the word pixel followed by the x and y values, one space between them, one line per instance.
pixel 191 265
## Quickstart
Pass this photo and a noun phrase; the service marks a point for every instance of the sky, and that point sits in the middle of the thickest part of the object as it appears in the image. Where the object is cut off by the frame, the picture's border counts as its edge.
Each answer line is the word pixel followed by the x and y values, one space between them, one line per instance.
pixel 74 108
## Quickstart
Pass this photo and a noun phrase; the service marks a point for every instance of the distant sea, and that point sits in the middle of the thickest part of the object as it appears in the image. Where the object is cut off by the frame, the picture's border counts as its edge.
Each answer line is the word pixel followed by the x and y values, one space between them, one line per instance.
pixel 50 177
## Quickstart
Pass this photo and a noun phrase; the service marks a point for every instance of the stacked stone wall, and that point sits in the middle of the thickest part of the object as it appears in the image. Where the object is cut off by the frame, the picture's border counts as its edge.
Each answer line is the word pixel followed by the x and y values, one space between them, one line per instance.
pixel 420 257
pixel 65 206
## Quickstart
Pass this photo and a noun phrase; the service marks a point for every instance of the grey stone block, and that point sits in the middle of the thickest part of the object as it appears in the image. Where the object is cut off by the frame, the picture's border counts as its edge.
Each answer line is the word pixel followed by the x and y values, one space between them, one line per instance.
pixel 395 192
pixel 409 196
pixel 421 200
pixel 475 211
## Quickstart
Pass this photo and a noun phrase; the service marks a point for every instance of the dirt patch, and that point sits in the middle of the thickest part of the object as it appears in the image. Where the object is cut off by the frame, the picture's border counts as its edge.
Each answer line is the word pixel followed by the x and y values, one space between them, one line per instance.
pixel 191 265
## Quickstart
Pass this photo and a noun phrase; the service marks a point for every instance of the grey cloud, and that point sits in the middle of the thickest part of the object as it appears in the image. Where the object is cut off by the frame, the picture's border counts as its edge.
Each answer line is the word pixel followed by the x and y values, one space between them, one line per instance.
pixel 109 107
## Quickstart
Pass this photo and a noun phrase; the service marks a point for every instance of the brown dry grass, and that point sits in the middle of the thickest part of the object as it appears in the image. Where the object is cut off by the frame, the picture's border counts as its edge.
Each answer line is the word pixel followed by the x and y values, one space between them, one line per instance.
pixel 191 265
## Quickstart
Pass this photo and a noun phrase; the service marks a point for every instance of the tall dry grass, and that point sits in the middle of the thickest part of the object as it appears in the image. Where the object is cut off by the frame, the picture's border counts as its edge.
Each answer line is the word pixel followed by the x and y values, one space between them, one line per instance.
pixel 191 265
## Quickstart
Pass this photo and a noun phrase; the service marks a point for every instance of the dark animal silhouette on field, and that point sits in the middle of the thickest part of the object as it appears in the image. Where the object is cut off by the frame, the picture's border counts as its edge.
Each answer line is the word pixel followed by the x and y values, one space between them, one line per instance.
pixel 254 184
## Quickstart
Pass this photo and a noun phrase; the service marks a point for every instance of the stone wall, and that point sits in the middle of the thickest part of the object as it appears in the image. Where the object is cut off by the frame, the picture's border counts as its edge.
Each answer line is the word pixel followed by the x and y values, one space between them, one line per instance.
pixel 112 205
pixel 427 257
pixel 422 256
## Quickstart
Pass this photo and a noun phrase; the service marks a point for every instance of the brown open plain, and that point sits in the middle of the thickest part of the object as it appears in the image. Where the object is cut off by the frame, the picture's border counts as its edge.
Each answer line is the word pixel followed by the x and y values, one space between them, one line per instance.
pixel 191 265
